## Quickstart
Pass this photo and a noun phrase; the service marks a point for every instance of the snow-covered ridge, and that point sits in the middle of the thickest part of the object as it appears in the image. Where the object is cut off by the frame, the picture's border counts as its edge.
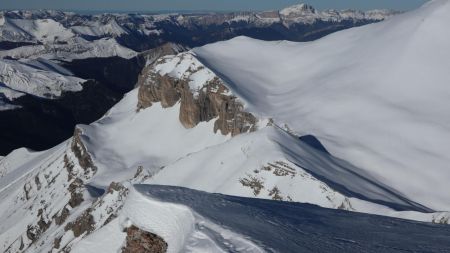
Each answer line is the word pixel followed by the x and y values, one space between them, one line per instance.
pixel 97 29
pixel 67 198
pixel 297 10
pixel 375 96
pixel 185 66
pixel 40 30
pixel 306 14
pixel 76 48
pixel 38 80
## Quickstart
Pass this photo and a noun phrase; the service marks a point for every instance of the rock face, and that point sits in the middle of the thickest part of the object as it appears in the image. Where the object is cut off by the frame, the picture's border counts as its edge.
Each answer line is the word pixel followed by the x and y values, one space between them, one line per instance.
pixel 208 100
pixel 81 153
pixel 140 241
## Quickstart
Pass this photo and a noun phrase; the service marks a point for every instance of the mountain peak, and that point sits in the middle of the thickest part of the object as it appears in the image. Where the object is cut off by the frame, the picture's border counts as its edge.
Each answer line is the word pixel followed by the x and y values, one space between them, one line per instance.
pixel 297 9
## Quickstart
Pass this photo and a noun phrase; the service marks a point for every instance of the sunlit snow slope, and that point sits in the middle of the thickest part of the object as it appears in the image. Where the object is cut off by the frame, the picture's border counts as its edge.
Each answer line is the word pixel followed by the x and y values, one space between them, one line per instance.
pixel 376 96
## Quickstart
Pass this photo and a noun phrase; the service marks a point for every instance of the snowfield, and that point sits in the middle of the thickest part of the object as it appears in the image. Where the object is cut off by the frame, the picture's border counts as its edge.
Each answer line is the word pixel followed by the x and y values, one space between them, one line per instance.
pixel 375 96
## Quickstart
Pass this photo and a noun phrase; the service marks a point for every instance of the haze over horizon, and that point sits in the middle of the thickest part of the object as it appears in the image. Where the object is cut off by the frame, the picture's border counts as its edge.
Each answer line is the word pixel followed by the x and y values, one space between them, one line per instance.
pixel 204 5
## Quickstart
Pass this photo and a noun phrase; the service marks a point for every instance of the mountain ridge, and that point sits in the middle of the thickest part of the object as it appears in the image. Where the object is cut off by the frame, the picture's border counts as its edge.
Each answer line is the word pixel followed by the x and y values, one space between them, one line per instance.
pixel 194 121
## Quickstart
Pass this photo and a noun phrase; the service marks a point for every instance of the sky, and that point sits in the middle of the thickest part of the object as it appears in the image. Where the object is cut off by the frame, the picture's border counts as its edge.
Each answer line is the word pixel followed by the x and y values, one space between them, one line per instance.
pixel 212 5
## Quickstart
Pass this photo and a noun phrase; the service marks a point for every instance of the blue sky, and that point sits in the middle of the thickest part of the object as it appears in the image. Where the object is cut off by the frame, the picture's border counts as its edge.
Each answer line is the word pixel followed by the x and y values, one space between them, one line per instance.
pixel 157 5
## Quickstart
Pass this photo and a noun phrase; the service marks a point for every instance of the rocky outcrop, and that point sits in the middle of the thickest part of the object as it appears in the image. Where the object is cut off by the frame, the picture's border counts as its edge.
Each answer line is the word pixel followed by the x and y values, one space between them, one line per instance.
pixel 80 151
pixel 140 241
pixel 212 101
pixel 83 224
pixel 168 48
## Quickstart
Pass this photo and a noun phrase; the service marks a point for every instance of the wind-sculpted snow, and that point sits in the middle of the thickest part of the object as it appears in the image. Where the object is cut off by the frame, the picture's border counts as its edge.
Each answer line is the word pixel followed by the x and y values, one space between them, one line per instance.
pixel 375 96
pixel 291 227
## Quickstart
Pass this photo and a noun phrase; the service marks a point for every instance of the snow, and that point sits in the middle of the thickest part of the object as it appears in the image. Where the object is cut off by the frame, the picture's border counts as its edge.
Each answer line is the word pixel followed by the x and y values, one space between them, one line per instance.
pixel 173 223
pixel 306 14
pixel 180 227
pixel 42 30
pixel 185 66
pixel 194 221
pixel 19 168
pixel 110 238
pixel 238 158
pixel 375 96
pixel 31 79
pixel 272 226
pixel 49 30
pixel 297 10
pixel 125 139
pixel 5 106
pixel 98 29
pixel 10 94
pixel 349 90
pixel 47 65
pixel 76 48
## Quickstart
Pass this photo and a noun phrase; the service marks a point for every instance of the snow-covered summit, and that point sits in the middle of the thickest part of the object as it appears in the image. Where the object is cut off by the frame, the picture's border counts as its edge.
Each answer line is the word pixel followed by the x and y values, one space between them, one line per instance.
pixel 307 14
pixel 298 9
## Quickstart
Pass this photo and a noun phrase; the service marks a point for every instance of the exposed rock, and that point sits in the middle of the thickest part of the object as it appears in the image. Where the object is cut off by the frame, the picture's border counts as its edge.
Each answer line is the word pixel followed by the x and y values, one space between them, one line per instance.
pixel 441 218
pixel 34 232
pixel 27 188
pixel 37 182
pixel 69 167
pixel 211 101
pixel 140 241
pixel 57 243
pixel 61 217
pixel 275 193
pixel 76 195
pixel 83 224
pixel 253 183
pixel 80 151
pixel 169 48
pixel 282 169
pixel 118 187
pixel 346 205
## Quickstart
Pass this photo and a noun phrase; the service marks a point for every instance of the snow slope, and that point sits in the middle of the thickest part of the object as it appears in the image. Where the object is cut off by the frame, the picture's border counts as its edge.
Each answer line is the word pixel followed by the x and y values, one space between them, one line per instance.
pixel 124 139
pixel 97 29
pixel 184 66
pixel 152 145
pixel 293 227
pixel 39 30
pixel 76 48
pixel 194 221
pixel 288 170
pixel 38 78
pixel 375 96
